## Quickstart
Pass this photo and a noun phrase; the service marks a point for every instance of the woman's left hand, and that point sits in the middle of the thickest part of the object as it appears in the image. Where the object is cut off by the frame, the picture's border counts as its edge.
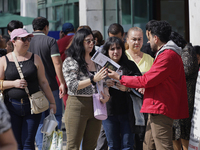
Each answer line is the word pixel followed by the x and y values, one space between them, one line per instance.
pixel 121 87
pixel 53 106
pixel 105 97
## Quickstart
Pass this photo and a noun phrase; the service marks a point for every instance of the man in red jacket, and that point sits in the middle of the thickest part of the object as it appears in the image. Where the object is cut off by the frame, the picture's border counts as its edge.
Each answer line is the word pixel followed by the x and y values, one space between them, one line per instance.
pixel 165 96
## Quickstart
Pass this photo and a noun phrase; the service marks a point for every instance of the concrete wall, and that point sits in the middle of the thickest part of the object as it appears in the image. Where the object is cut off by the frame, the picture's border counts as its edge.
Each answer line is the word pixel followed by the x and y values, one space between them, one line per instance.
pixel 29 9
pixel 194 21
pixel 91 14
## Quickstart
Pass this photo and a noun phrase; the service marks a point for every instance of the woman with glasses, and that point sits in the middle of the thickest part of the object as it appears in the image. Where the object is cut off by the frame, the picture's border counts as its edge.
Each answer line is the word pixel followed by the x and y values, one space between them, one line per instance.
pixel 24 124
pixel 118 126
pixel 81 75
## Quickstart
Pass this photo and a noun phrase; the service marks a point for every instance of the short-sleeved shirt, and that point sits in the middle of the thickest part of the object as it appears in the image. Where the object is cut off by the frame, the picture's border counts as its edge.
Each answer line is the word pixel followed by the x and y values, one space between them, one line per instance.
pixel 145 63
pixel 46 47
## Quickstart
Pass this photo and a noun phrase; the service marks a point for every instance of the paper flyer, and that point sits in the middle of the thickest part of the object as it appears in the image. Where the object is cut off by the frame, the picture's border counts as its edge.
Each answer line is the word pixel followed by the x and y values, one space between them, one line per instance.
pixel 104 61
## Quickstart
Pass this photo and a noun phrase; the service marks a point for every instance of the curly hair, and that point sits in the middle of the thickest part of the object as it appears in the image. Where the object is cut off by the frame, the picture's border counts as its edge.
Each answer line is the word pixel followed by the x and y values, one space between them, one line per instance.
pixel 162 29
pixel 178 39
pixel 149 24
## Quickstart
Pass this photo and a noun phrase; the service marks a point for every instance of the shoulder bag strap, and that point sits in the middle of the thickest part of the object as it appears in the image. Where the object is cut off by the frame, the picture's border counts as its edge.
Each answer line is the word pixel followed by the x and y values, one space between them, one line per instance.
pixel 19 71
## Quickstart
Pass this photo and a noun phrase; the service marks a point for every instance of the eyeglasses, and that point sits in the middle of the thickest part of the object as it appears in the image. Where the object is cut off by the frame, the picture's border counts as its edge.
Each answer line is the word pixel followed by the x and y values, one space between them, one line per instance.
pixel 24 39
pixel 89 41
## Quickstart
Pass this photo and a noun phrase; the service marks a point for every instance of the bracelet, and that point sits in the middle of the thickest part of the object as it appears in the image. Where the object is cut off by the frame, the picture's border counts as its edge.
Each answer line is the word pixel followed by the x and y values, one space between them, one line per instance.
pixel 1 88
pixel 92 81
pixel 52 103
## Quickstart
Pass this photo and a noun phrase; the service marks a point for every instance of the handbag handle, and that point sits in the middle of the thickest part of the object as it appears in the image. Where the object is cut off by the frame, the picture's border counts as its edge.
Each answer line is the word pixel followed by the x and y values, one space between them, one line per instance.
pixel 19 71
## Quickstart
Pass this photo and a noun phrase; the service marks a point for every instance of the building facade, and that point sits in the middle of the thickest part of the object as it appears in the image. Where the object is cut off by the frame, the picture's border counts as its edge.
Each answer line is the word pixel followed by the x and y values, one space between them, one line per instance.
pixel 99 14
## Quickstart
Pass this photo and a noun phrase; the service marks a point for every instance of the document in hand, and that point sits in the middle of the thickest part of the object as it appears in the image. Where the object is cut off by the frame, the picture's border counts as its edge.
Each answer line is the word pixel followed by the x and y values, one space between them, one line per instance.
pixel 105 61
pixel 120 72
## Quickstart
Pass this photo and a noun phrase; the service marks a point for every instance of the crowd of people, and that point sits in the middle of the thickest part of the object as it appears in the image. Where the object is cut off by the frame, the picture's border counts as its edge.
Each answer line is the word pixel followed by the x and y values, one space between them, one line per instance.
pixel 149 99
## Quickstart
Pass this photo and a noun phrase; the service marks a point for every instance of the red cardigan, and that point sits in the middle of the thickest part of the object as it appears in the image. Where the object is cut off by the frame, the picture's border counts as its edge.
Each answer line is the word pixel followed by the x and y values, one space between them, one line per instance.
pixel 165 86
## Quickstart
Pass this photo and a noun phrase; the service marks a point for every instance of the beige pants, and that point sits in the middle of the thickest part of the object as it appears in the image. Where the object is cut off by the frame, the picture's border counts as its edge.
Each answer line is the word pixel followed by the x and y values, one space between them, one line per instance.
pixel 158 134
pixel 81 124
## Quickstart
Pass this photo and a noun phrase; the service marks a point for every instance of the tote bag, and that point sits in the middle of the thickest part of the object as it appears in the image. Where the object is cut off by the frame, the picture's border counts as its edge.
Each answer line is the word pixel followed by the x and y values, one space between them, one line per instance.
pixel 100 110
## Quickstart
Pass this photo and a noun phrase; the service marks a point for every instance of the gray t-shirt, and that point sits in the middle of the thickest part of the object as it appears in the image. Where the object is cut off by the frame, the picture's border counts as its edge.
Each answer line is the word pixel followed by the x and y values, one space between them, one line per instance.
pixel 46 47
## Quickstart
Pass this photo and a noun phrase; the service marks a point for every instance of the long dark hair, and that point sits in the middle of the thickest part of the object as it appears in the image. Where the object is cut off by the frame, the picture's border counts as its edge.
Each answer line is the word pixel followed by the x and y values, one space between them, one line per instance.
pixel 77 50
pixel 127 66
pixel 178 39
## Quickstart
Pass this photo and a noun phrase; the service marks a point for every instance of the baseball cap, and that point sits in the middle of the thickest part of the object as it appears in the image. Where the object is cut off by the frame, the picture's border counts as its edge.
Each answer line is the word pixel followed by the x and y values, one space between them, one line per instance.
pixel 67 27
pixel 19 33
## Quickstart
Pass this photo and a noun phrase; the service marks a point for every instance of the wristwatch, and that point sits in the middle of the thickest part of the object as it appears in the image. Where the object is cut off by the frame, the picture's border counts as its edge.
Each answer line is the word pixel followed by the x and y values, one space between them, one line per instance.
pixel 92 81
pixel 120 77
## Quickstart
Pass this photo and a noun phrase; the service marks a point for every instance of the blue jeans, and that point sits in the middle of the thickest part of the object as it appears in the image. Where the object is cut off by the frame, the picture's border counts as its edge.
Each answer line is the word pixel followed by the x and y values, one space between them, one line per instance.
pixel 24 125
pixel 58 115
pixel 118 132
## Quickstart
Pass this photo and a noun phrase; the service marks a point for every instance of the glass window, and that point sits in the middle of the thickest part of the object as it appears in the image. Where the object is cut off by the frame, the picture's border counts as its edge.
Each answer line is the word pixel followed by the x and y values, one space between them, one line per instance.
pixel 139 17
pixel 125 14
pixel 176 15
pixel 69 13
pixel 76 15
pixel 42 12
pixel 141 11
pixel 1 5
pixel 50 18
pixel 59 14
pixel 125 11
pixel 49 1
pixel 57 0
pixel 5 5
pixel 110 15
pixel 14 6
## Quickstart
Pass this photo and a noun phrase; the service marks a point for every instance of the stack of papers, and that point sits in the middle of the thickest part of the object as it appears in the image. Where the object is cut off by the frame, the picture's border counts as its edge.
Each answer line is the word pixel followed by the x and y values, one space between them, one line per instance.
pixel 105 61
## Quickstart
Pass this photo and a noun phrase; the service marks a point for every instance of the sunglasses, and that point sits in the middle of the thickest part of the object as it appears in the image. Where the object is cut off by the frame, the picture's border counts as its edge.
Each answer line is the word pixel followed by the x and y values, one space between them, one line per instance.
pixel 89 41
pixel 24 39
